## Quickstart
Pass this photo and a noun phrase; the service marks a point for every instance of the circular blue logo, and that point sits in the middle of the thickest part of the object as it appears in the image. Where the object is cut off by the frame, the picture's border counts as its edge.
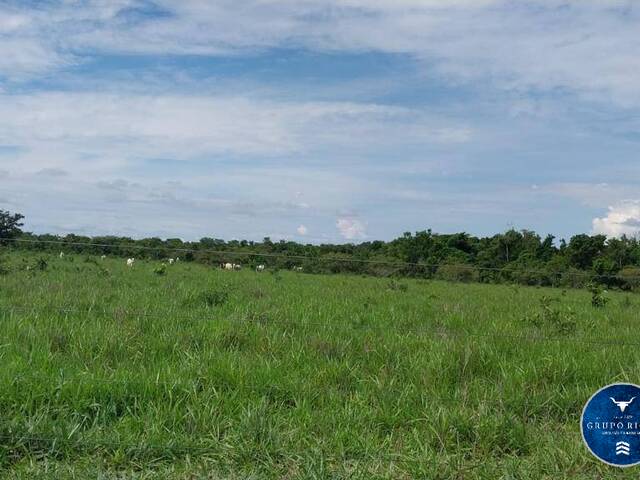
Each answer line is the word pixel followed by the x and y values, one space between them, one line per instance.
pixel 610 424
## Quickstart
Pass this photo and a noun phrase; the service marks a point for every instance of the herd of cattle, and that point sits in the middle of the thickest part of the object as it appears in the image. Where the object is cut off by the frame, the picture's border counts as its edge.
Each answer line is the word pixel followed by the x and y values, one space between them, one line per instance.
pixel 259 268
pixel 224 266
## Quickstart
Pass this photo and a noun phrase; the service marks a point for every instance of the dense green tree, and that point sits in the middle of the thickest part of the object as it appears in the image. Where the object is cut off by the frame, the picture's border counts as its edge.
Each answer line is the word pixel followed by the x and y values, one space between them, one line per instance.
pixel 513 256
pixel 584 249
pixel 546 250
pixel 10 224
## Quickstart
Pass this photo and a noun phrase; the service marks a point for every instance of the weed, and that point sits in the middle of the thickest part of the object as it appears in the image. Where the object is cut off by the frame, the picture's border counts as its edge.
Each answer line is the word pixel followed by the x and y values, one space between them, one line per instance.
pixel 161 269
pixel 554 319
pixel 214 298
pixel 598 295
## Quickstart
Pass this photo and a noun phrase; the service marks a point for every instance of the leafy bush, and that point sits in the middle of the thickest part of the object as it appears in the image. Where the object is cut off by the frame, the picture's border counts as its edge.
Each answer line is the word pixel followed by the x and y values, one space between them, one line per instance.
pixel 457 273
pixel 214 298
pixel 553 319
pixel 630 278
pixel 160 270
pixel 573 278
pixel 598 295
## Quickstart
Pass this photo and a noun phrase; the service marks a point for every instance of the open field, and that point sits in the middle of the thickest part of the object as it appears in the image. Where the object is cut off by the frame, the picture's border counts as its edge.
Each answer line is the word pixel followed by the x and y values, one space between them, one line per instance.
pixel 207 373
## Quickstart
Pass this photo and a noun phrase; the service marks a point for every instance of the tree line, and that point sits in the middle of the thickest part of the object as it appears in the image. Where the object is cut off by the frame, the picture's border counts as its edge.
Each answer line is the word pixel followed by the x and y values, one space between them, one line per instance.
pixel 522 257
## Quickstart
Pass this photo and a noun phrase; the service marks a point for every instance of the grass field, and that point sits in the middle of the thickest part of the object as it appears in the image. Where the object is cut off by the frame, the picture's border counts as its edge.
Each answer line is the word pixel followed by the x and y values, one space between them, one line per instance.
pixel 199 372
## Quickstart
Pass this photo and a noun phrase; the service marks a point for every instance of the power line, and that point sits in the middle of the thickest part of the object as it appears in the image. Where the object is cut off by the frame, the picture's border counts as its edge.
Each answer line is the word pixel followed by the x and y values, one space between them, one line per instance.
pixel 320 258
pixel 437 329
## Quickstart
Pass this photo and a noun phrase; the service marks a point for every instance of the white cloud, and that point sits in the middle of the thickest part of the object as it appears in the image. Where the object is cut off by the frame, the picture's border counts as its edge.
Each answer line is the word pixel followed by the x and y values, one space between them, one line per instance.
pixel 302 230
pixel 351 228
pixel 587 47
pixel 24 57
pixel 243 201
pixel 53 130
pixel 622 219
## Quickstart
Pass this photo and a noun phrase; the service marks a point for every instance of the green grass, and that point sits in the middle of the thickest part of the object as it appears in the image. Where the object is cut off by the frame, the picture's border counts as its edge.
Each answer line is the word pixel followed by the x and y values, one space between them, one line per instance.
pixel 199 372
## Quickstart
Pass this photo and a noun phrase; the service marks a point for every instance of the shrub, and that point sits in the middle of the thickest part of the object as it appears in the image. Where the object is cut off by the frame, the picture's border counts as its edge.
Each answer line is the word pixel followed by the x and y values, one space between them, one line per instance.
pixel 457 273
pixel 573 278
pixel 160 270
pixel 598 296
pixel 554 319
pixel 630 278
pixel 214 298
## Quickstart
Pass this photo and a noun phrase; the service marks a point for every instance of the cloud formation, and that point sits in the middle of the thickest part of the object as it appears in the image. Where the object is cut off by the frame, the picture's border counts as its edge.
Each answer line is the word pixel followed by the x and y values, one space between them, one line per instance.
pixel 351 228
pixel 413 113
pixel 55 129
pixel 537 44
pixel 622 219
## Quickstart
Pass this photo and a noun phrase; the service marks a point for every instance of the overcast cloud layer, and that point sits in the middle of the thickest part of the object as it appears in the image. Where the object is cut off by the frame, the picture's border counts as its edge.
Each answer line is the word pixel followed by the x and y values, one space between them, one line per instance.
pixel 318 120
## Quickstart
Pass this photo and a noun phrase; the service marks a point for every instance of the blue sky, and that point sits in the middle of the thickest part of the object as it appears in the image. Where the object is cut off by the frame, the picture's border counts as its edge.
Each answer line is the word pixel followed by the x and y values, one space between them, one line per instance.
pixel 320 121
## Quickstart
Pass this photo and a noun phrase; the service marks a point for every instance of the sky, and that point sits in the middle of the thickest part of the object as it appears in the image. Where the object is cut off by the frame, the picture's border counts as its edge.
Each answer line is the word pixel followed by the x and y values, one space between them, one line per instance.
pixel 320 121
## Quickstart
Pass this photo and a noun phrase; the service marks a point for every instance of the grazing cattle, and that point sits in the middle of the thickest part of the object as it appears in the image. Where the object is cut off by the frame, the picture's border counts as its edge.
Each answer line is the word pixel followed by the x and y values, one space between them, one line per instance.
pixel 297 269
pixel 171 261
pixel 231 266
pixel 103 257
pixel 61 255
pixel 260 268
pixel 130 262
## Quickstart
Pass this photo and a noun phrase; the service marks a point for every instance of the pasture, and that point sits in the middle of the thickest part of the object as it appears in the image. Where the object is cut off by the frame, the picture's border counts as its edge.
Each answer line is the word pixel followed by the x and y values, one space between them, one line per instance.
pixel 196 372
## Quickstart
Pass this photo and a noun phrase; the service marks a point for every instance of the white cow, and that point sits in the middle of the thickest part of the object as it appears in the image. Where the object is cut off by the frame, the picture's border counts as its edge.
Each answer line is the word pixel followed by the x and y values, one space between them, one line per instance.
pixel 130 262
pixel 297 269
pixel 260 268
pixel 171 261
pixel 103 257
pixel 61 254
pixel 228 266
